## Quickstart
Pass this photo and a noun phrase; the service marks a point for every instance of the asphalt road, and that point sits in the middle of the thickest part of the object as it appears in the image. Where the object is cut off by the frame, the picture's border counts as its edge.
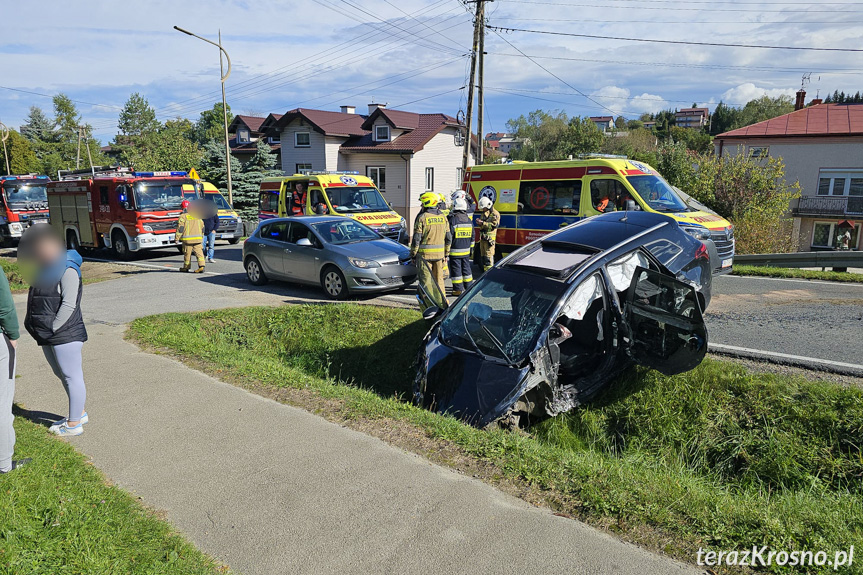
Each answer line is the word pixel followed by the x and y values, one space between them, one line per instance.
pixel 813 319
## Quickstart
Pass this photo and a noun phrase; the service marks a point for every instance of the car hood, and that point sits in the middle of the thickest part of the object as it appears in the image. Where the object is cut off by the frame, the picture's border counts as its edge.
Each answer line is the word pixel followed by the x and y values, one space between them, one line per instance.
pixel 379 250
pixel 465 385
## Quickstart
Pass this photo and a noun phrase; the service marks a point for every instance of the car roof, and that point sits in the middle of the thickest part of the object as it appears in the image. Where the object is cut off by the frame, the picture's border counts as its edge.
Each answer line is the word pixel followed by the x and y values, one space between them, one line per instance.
pixel 309 219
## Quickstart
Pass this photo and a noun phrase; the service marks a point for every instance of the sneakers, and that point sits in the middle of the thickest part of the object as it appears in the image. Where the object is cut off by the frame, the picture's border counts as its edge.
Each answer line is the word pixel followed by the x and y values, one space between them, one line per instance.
pixel 64 430
pixel 19 463
pixel 57 424
pixel 211 260
pixel 200 270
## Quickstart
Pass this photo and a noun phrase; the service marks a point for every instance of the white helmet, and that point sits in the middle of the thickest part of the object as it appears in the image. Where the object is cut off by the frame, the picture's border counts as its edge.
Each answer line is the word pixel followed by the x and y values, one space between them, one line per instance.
pixel 459 204
pixel 485 203
pixel 459 195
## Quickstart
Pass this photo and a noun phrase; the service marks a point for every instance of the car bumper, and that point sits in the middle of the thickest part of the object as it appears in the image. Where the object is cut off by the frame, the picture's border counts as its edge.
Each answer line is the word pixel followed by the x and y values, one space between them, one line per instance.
pixel 380 279
pixel 151 241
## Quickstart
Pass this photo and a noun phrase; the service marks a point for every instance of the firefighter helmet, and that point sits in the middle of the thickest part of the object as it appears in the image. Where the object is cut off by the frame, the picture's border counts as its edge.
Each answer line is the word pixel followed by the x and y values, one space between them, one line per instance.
pixel 185 205
pixel 429 200
pixel 459 205
pixel 485 203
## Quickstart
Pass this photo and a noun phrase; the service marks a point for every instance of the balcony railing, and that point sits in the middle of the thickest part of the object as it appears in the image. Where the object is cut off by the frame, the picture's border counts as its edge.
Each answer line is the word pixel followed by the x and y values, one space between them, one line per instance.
pixel 838 206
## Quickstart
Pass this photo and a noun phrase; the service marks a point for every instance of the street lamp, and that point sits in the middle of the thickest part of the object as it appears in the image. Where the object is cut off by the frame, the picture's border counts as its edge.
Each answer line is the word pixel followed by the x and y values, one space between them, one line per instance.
pixel 224 104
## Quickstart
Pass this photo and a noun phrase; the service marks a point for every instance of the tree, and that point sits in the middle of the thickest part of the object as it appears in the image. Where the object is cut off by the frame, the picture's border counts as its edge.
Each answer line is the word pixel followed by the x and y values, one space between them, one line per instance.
pixel 581 137
pixel 765 108
pixel 634 125
pixel 620 123
pixel 37 127
pixel 248 182
pixel 725 118
pixel 170 147
pixel 213 165
pixel 211 126
pixel 22 159
pixel 541 133
pixel 137 117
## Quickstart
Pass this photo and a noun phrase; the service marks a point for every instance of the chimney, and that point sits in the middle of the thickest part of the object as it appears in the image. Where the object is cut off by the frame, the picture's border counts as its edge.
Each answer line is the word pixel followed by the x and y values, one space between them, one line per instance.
pixel 373 107
pixel 349 109
pixel 801 99
pixel 816 101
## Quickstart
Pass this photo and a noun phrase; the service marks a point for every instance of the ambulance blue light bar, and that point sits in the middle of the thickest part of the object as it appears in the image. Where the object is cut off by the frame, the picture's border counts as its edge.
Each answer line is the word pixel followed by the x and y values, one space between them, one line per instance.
pixel 160 174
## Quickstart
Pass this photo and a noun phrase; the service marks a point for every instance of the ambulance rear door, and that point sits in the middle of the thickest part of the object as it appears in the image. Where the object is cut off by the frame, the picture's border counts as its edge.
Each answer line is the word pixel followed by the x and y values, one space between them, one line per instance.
pixel 501 187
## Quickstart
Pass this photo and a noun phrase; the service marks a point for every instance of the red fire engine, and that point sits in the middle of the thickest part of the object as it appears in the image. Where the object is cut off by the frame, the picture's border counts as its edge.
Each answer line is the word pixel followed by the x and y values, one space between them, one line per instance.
pixel 23 203
pixel 117 208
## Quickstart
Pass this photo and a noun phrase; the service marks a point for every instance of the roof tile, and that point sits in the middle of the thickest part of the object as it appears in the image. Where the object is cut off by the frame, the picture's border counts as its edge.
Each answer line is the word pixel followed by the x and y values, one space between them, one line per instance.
pixel 819 120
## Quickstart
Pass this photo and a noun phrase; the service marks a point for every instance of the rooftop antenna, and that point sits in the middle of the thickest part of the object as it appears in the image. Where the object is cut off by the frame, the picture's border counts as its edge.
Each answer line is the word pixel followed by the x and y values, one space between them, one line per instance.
pixel 807 77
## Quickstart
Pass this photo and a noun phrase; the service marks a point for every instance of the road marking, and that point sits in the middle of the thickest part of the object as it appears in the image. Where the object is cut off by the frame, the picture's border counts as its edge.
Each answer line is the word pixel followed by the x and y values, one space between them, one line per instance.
pixel 162 267
pixel 799 281
pixel 827 364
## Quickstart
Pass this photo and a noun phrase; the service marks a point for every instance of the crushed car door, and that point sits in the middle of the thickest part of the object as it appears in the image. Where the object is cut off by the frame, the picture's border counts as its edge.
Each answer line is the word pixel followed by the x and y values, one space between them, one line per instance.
pixel 667 331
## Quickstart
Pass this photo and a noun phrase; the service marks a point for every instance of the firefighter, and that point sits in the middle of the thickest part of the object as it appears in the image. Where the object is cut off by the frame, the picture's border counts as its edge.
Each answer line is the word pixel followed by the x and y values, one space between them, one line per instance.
pixel 298 200
pixel 461 229
pixel 471 203
pixel 430 247
pixel 488 221
pixel 190 232
pixel 442 205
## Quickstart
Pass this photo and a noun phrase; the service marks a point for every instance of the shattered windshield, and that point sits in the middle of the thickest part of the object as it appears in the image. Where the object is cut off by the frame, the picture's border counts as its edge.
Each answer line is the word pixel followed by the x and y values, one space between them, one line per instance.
pixel 658 194
pixel 26 196
pixel 357 200
pixel 502 315
pixel 159 195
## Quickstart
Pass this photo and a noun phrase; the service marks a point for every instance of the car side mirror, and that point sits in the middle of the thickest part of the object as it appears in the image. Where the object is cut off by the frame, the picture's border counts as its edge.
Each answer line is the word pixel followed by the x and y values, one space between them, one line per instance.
pixel 631 206
pixel 127 206
pixel 304 242
pixel 431 313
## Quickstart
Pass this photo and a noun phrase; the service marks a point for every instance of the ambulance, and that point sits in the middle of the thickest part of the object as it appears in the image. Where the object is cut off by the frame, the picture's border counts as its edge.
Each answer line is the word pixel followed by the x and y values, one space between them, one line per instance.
pixel 536 198
pixel 24 202
pixel 230 222
pixel 336 193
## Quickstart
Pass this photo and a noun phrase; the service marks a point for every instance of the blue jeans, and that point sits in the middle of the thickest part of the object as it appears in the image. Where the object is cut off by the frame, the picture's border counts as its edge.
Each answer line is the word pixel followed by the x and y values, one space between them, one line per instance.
pixel 210 245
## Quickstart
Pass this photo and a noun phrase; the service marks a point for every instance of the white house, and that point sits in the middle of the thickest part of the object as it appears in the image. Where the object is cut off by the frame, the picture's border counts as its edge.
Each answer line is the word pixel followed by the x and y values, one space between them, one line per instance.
pixel 822 147
pixel 405 153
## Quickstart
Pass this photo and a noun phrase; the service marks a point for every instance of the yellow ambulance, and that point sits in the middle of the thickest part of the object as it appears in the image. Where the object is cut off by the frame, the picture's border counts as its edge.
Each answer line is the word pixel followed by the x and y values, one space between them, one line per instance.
pixel 536 198
pixel 230 222
pixel 337 193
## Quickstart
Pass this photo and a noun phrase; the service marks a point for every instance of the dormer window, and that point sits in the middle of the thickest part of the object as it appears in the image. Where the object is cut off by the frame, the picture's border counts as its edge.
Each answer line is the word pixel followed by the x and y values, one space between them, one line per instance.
pixel 382 133
pixel 243 136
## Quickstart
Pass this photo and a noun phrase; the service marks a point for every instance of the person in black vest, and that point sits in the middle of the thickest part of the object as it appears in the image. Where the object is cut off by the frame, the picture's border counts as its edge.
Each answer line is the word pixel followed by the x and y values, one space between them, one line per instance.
pixel 54 316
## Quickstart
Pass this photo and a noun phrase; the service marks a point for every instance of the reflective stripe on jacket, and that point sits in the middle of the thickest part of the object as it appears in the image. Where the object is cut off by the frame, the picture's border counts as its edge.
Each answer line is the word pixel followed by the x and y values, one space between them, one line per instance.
pixel 461 228
pixel 432 237
pixel 190 229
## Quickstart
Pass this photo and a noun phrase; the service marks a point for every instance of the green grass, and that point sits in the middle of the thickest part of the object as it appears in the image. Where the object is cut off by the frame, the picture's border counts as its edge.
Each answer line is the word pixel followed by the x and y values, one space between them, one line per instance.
pixel 763 271
pixel 13 274
pixel 718 457
pixel 57 515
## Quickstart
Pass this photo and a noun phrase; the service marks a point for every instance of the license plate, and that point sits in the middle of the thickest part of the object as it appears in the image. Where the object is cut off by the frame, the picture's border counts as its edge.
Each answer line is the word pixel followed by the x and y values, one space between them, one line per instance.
pixel 39 221
pixel 226 236
pixel 727 263
pixel 171 238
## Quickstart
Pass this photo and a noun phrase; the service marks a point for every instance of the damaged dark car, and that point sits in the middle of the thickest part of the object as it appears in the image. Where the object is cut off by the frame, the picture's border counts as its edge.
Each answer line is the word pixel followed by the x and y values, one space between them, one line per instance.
pixel 553 323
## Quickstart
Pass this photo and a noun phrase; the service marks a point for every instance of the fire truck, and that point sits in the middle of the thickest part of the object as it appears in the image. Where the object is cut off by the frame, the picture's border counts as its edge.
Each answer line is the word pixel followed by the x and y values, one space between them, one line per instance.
pixel 117 208
pixel 24 203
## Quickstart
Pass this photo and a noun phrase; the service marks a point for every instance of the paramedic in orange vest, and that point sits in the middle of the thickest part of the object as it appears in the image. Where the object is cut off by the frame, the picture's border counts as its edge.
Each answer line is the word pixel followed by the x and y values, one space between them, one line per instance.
pixel 298 200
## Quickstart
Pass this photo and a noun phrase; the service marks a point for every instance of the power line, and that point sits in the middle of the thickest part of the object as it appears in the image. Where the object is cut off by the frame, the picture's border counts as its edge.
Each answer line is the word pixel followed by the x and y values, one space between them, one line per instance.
pixel 752 23
pixel 499 29
pixel 51 96
pixel 596 95
pixel 428 97
pixel 679 9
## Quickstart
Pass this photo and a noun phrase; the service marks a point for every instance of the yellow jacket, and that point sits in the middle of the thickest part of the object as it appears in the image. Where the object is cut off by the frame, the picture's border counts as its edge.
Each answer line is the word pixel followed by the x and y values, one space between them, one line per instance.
pixel 190 229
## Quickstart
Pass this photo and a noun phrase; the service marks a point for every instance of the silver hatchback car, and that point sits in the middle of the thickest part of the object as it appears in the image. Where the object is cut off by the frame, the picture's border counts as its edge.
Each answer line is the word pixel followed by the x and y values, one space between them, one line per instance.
pixel 338 253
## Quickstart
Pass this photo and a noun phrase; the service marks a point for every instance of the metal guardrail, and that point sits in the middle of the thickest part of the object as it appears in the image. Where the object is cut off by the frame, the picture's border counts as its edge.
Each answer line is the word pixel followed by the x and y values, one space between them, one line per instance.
pixel 831 259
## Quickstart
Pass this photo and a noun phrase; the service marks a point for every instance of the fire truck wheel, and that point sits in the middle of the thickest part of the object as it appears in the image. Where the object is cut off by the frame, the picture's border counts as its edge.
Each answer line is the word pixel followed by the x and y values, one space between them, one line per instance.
pixel 255 272
pixel 72 242
pixel 120 245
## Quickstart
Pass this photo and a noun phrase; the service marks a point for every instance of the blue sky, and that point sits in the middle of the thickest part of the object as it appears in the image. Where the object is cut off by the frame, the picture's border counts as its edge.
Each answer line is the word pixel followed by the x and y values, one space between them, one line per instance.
pixel 413 54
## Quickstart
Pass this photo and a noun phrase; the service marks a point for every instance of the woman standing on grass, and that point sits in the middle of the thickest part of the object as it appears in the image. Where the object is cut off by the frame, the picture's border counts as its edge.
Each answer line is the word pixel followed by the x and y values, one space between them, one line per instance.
pixel 54 315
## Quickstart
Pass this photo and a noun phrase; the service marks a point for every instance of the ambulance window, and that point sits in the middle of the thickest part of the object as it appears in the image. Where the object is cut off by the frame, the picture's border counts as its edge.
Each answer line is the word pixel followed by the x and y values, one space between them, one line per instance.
pixel 104 198
pixel 555 197
pixel 269 201
pixel 612 190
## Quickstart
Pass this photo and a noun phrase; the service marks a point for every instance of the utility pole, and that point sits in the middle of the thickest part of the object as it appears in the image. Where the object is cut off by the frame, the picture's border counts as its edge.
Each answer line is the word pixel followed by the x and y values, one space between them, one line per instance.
pixel 4 135
pixel 480 136
pixel 474 50
pixel 78 155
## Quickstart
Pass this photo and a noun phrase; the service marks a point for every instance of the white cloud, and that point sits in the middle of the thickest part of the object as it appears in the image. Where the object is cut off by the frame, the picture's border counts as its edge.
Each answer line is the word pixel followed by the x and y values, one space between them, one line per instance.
pixel 647 103
pixel 612 97
pixel 749 91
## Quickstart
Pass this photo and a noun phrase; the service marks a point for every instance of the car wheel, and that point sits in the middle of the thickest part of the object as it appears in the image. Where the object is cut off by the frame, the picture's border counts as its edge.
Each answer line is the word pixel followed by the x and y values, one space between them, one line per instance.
pixel 120 245
pixel 334 283
pixel 255 272
pixel 72 242
pixel 234 241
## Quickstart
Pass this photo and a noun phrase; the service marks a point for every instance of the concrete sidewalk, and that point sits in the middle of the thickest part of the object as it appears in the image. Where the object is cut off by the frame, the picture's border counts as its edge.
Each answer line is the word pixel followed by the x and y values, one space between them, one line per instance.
pixel 269 489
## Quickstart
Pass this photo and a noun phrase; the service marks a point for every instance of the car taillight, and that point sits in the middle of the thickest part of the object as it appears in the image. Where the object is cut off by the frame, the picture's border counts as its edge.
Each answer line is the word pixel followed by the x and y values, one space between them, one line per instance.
pixel 701 252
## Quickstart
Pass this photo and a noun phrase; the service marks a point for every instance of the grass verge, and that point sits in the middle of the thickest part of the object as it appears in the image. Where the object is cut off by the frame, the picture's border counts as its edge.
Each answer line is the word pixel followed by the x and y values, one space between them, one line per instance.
pixel 770 272
pixel 92 272
pixel 57 515
pixel 718 458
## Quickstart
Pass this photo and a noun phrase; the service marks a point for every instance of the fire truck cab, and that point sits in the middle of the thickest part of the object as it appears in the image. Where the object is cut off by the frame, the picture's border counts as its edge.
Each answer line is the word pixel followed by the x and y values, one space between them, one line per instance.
pixel 24 202
pixel 117 208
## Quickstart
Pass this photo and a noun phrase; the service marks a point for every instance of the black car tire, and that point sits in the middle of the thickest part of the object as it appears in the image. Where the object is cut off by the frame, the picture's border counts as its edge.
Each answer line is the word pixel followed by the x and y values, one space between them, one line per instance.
pixel 234 241
pixel 72 242
pixel 119 245
pixel 255 272
pixel 334 283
